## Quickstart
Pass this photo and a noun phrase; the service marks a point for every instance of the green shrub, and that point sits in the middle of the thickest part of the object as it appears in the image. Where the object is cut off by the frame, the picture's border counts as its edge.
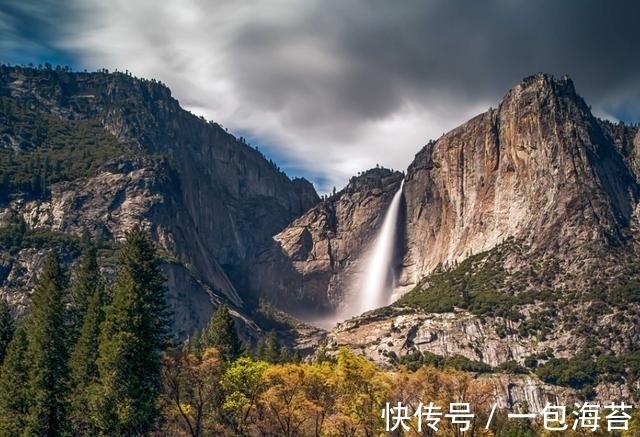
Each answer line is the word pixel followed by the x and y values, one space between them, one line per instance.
pixel 476 285
pixel 576 372
pixel 511 367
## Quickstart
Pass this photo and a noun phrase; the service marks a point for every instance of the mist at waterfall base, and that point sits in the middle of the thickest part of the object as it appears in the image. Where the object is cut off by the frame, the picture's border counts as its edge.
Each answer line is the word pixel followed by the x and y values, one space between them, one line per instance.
pixel 376 283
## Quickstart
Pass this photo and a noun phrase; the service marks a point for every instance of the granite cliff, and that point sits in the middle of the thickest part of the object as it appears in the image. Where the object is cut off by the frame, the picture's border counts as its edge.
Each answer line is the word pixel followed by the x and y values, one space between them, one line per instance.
pixel 540 168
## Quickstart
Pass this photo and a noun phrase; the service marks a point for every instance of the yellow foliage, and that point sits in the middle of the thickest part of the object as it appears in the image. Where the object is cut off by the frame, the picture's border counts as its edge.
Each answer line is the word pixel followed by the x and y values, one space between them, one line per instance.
pixel 205 396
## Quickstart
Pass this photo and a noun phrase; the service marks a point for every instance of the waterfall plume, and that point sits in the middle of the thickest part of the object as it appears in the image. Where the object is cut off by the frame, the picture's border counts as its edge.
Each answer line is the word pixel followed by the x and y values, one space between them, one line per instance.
pixel 377 283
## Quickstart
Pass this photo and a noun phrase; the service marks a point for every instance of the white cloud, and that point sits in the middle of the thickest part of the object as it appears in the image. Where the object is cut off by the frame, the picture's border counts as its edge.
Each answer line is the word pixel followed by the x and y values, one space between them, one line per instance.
pixel 189 46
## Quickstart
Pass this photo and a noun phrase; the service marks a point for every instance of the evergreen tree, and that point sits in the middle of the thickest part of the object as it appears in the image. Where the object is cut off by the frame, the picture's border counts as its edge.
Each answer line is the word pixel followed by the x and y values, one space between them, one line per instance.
pixel 271 349
pixel 6 327
pixel 285 355
pixel 47 353
pixel 132 337
pixel 221 334
pixel 261 348
pixel 83 365
pixel 13 387
pixel 86 282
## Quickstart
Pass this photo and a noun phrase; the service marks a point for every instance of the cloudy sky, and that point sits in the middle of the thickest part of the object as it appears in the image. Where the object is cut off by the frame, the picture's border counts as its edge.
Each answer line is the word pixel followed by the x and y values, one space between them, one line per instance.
pixel 328 88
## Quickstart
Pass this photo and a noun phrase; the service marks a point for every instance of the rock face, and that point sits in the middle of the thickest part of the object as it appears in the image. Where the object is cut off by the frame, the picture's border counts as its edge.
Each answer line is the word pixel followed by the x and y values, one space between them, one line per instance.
pixel 539 168
pixel 382 338
pixel 385 335
pixel 312 266
pixel 208 199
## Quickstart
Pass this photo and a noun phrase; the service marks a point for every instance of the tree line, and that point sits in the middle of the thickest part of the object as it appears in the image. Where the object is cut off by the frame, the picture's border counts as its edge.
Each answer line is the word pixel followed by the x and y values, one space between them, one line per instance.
pixel 87 358
pixel 97 359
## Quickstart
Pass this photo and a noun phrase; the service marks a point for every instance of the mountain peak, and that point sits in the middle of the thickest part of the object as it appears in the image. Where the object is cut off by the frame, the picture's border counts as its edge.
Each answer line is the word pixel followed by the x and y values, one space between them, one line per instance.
pixel 543 93
pixel 549 82
pixel 378 177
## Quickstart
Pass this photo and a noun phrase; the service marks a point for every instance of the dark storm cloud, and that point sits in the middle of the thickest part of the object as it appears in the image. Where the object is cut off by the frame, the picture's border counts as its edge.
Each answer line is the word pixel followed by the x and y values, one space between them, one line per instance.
pixel 336 86
pixel 386 53
pixel 29 30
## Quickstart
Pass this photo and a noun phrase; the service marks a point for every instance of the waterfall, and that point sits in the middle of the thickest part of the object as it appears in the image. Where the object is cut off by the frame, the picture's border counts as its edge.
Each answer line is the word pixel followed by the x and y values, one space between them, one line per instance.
pixel 378 279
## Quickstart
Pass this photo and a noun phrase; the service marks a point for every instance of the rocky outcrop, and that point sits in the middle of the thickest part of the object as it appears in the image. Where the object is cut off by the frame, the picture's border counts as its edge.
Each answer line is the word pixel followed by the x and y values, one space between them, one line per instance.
pixel 522 392
pixel 385 335
pixel 493 341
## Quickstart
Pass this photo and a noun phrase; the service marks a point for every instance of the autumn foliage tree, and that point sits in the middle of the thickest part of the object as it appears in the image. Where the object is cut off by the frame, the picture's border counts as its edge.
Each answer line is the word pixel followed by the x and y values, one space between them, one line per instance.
pixel 289 412
pixel 363 391
pixel 192 393
pixel 243 384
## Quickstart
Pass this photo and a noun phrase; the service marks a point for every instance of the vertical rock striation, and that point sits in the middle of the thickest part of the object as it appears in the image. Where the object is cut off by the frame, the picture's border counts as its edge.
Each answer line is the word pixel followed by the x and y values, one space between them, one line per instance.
pixel 539 168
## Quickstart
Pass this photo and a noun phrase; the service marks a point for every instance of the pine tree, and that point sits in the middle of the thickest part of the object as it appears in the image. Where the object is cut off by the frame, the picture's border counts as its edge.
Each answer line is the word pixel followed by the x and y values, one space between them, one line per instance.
pixel 47 353
pixel 261 349
pixel 13 387
pixel 221 334
pixel 271 352
pixel 285 355
pixel 86 282
pixel 83 365
pixel 132 337
pixel 6 327
pixel 269 349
